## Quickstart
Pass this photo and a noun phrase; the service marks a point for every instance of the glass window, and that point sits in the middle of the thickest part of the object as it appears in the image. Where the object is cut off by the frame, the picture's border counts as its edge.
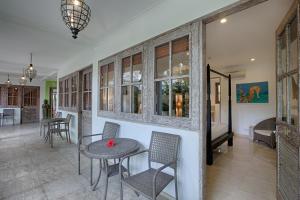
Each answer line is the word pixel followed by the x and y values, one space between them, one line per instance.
pixel 131 88
pixel 74 91
pixel 172 90
pixel 107 82
pixel 87 91
pixel 284 99
pixel 12 96
pixel 180 57
pixel 162 93
pixel 293 46
pixel 283 54
pixel 61 93
pixel 66 93
pixel 162 61
pixel 180 97
pixel 294 99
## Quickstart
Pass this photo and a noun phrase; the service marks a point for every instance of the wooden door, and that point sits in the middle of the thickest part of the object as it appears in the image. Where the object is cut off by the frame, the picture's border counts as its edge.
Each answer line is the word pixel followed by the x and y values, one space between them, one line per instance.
pixel 30 104
pixel 288 137
pixel 86 101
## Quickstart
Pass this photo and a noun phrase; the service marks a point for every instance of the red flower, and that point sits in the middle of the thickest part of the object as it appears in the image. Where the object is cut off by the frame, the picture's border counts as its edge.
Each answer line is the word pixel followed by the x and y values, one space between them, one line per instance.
pixel 110 143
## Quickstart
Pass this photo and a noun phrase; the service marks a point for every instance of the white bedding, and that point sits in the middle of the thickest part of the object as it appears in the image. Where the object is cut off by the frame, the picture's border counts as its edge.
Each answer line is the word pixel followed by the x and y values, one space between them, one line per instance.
pixel 218 130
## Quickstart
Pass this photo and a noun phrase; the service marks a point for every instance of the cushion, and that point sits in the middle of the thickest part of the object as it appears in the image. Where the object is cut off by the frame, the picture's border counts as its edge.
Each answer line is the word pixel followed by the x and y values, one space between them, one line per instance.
pixel 264 132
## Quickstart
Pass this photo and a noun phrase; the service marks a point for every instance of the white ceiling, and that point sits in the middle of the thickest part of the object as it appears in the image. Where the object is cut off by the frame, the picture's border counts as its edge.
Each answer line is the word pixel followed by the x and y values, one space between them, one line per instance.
pixel 36 26
pixel 247 34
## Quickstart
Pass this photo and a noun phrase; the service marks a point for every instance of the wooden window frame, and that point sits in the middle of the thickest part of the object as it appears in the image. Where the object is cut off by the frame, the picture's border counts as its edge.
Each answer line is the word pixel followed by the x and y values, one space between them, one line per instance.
pixel 89 89
pixel 101 64
pixel 62 93
pixel 147 48
pixel 170 77
pixel 18 96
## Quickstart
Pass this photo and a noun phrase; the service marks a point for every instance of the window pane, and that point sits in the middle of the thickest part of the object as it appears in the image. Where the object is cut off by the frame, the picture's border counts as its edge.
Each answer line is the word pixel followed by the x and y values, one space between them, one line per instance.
pixel 110 99
pixel 74 99
pixel 103 76
pixel 103 99
pixel 162 98
pixel 294 99
pixel 126 70
pixel 162 61
pixel 90 81
pixel 110 74
pixel 283 54
pixel 125 99
pixel 284 100
pixel 293 46
pixel 137 67
pixel 74 84
pixel 136 102
pixel 180 56
pixel 180 97
pixel 85 101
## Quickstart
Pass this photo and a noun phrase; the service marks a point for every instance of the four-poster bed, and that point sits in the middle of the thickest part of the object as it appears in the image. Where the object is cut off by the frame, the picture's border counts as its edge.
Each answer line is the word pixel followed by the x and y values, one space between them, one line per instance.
pixel 217 135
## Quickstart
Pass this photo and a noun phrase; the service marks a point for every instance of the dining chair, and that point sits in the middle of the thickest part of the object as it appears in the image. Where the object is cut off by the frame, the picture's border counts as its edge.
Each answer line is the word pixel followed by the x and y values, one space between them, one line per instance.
pixel 44 123
pixel 110 130
pixel 8 114
pixel 53 128
pixel 64 126
pixel 163 150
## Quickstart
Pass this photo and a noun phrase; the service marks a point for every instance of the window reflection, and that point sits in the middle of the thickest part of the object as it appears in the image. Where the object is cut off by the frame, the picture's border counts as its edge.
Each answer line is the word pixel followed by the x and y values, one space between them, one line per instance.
pixel 137 99
pixel 162 96
pixel 294 99
pixel 180 57
pixel 180 97
pixel 162 61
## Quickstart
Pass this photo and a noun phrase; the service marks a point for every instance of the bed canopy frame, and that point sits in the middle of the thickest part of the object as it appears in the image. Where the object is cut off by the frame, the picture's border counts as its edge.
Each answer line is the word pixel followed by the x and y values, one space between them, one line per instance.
pixel 227 136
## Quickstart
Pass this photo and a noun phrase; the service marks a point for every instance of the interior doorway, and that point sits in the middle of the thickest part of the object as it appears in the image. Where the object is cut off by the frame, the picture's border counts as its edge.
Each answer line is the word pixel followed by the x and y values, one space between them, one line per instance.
pixel 85 102
pixel 240 46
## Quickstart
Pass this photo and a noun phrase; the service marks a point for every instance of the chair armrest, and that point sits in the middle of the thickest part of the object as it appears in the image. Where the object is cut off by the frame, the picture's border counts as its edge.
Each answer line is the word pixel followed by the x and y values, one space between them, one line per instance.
pixel 85 136
pixel 157 172
pixel 130 155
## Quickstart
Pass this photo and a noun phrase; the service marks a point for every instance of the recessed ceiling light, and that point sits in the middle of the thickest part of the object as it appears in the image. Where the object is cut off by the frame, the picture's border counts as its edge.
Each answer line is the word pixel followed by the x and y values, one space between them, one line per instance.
pixel 252 59
pixel 223 21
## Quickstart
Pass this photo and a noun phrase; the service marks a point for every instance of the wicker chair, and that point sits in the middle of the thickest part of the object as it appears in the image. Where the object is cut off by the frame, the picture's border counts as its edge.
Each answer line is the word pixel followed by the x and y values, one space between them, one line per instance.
pixel 264 132
pixel 65 127
pixel 110 130
pixel 163 150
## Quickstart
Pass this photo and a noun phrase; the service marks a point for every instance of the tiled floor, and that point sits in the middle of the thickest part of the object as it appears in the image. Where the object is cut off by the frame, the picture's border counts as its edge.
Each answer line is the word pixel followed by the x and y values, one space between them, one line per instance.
pixel 31 170
pixel 247 171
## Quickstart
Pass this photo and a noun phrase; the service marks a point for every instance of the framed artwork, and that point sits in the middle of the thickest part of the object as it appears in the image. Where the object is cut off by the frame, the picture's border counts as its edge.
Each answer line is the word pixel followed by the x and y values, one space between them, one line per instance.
pixel 252 92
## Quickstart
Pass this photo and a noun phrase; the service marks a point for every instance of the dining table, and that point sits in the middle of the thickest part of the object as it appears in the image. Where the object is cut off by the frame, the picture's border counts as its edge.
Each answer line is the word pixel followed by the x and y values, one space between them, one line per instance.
pixel 102 151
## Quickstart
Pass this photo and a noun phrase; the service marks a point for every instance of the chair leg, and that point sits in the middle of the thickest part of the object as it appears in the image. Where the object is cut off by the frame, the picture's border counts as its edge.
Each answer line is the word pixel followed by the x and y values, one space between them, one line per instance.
pixel 176 188
pixel 91 181
pixel 99 175
pixel 106 179
pixel 79 173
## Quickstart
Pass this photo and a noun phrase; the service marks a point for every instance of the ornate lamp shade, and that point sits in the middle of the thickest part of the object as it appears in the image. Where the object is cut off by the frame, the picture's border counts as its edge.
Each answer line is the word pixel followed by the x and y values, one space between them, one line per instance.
pixel 8 82
pixel 76 14
pixel 30 72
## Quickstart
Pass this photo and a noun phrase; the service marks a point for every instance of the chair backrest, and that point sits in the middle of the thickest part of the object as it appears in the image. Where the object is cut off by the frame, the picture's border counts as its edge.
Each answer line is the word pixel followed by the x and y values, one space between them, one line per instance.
pixel 57 115
pixel 267 124
pixel 8 112
pixel 110 130
pixel 68 118
pixel 163 148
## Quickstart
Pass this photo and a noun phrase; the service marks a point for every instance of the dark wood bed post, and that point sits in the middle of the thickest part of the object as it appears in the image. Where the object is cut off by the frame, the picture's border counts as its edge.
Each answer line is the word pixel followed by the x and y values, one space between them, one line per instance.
pixel 209 150
pixel 230 134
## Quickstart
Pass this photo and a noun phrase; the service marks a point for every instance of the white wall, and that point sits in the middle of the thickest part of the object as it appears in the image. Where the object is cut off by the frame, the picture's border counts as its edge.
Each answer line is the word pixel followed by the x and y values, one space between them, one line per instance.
pixel 35 82
pixel 246 114
pixel 165 16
